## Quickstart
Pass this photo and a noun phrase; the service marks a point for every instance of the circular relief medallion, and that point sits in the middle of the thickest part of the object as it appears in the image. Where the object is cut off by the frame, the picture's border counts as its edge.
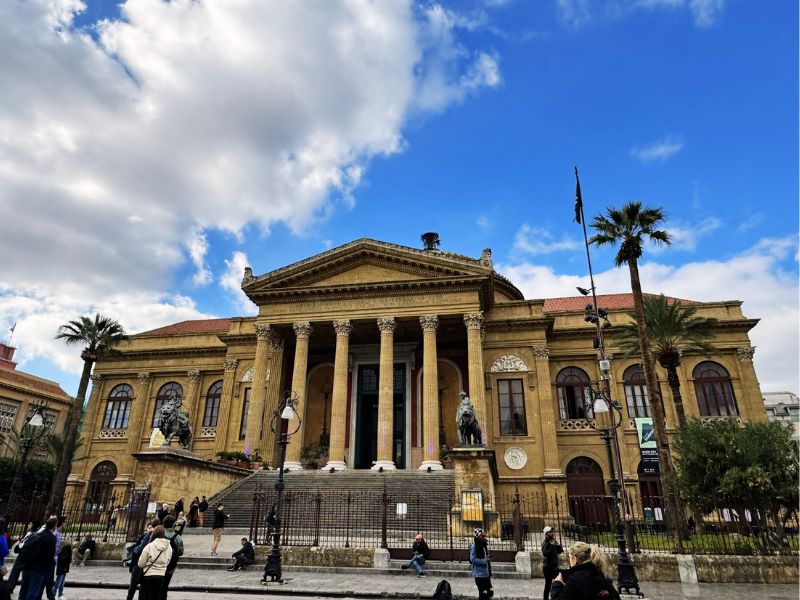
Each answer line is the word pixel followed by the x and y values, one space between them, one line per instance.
pixel 515 458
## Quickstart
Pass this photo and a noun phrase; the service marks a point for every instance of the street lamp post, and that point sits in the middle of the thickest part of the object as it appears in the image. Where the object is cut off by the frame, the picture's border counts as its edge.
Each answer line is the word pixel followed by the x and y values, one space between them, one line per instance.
pixel 33 430
pixel 279 425
pixel 602 403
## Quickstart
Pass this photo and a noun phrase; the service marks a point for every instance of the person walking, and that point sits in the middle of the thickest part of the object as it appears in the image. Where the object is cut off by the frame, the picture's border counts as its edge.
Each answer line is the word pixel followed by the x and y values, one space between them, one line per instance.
pixel 153 563
pixel 37 556
pixel 162 512
pixel 62 568
pixel 175 538
pixel 194 509
pixel 550 551
pixel 85 551
pixel 218 527
pixel 586 578
pixel 178 507
pixel 420 552
pixel 201 510
pixel 3 549
pixel 51 580
pixel 135 570
pixel 243 557
pixel 13 577
pixel 481 565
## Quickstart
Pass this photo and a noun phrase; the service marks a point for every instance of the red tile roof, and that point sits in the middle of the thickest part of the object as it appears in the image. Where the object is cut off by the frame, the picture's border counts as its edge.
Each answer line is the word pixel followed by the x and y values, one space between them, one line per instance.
pixel 31 381
pixel 607 301
pixel 189 327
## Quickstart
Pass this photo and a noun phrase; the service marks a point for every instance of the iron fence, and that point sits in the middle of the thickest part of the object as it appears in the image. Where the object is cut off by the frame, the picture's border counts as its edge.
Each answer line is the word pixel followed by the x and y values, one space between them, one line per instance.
pixel 117 517
pixel 513 522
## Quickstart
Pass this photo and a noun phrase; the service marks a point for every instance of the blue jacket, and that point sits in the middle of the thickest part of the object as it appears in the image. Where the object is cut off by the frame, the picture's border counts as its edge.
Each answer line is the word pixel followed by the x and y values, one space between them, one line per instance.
pixel 3 549
pixel 480 566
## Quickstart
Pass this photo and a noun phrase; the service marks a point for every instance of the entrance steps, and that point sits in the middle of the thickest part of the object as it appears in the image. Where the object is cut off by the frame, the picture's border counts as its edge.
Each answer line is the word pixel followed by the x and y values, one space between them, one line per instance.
pixel 238 498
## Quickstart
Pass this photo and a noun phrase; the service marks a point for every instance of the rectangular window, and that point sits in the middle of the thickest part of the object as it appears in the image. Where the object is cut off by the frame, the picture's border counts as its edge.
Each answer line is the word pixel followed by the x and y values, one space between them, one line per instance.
pixel 638 403
pixel 8 416
pixel 245 410
pixel 512 407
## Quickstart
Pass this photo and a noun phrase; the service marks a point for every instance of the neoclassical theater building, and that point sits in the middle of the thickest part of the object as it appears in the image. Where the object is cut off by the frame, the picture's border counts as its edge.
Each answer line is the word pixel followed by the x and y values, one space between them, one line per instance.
pixel 377 340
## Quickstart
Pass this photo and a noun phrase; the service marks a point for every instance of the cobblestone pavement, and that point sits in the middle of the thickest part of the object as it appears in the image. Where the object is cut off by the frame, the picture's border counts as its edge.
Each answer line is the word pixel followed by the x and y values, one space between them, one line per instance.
pixel 193 583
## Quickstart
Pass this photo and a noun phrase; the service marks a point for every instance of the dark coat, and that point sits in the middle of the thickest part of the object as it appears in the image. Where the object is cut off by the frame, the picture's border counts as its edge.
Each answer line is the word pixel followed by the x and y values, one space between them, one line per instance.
pixel 421 547
pixel 247 552
pixel 178 507
pixel 203 506
pixel 550 552
pixel 219 519
pixel 89 545
pixel 64 559
pixel 38 552
pixel 584 582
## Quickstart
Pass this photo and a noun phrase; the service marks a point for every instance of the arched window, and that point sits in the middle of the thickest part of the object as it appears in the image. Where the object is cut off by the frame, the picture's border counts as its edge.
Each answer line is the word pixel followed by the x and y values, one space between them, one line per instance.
pixel 649 487
pixel 118 407
pixel 636 392
pixel 211 413
pixel 586 492
pixel 712 384
pixel 574 392
pixel 167 391
pixel 100 484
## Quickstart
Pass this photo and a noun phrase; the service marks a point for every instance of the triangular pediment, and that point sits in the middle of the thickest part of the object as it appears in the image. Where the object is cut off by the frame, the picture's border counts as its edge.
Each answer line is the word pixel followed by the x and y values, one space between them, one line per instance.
pixel 367 262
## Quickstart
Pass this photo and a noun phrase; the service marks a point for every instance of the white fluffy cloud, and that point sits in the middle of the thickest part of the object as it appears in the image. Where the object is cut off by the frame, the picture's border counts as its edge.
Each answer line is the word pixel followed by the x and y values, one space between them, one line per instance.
pixel 755 276
pixel 657 151
pixel 118 154
pixel 577 13
pixel 538 240
pixel 231 282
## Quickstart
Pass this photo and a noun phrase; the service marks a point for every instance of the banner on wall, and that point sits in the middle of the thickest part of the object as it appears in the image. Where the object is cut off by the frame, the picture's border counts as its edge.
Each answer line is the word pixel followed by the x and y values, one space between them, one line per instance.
pixel 648 449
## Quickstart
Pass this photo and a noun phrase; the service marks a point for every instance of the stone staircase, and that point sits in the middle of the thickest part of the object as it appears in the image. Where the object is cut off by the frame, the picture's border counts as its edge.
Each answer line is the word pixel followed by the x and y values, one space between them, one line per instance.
pixel 238 498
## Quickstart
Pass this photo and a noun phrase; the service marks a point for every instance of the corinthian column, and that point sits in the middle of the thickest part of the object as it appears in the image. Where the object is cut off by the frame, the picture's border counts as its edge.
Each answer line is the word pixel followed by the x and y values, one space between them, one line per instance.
pixel 474 323
pixel 272 397
pixel 255 413
pixel 386 397
pixel 191 400
pixel 94 410
pixel 136 423
pixel 548 421
pixel 302 331
pixel 225 404
pixel 430 395
pixel 339 398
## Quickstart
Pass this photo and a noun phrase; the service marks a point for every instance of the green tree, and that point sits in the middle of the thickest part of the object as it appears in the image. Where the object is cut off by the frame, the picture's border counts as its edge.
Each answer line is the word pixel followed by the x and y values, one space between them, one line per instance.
pixel 629 228
pixel 673 328
pixel 752 468
pixel 98 337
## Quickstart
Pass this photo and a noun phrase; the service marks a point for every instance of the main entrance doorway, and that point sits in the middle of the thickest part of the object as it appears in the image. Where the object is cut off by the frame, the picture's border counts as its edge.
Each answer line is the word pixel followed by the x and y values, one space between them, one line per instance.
pixel 366 438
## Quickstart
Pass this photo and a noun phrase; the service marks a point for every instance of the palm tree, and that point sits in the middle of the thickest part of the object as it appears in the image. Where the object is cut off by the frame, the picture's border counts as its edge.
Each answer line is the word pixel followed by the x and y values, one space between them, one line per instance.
pixel 673 328
pixel 629 227
pixel 98 336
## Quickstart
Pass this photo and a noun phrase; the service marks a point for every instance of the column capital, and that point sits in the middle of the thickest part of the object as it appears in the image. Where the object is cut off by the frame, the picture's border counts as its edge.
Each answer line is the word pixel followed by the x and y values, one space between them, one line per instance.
pixel 745 354
pixel 541 351
pixel 474 320
pixel 302 329
pixel 143 377
pixel 343 327
pixel 275 341
pixel 429 322
pixel 96 379
pixel 231 364
pixel 193 375
pixel 386 324
pixel 262 332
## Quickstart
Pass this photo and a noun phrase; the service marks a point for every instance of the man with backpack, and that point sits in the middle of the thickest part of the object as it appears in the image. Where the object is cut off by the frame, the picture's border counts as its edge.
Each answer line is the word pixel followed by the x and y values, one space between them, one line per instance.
pixel 176 543
pixel 37 560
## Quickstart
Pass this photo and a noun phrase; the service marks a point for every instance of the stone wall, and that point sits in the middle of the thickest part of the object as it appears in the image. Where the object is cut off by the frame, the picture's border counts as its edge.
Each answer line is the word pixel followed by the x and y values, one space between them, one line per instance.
pixel 321 557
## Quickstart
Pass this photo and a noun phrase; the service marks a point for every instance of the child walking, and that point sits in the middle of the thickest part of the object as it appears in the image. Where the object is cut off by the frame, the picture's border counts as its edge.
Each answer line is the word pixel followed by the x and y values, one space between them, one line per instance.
pixel 62 568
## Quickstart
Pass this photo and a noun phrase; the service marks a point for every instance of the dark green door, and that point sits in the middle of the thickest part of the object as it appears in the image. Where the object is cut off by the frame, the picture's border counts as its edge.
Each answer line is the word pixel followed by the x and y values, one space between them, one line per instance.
pixel 366 447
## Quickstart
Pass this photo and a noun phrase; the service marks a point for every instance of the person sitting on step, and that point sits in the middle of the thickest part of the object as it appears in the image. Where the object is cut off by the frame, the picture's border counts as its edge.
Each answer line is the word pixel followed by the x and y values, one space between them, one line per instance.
pixel 243 557
pixel 421 552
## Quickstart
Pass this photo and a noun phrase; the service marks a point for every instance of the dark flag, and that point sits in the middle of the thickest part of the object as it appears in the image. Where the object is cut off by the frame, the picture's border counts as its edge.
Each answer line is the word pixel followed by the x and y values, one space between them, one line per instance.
pixel 578 199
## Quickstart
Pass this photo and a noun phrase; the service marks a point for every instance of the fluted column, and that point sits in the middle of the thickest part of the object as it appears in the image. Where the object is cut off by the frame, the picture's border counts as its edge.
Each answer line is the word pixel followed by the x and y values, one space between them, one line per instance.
pixel 339 398
pixel 302 331
pixel 750 386
pixel 386 397
pixel 474 323
pixel 430 395
pixel 191 400
pixel 137 423
pixel 548 423
pixel 225 404
pixel 255 414
pixel 273 394
pixel 94 409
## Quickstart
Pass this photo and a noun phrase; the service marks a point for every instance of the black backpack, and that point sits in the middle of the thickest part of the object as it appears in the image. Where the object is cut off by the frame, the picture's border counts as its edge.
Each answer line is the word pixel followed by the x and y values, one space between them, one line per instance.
pixel 173 561
pixel 443 591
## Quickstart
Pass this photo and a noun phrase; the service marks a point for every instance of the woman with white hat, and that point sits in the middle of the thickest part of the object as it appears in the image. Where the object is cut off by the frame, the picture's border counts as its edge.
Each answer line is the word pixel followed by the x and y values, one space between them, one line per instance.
pixel 481 566
pixel 550 551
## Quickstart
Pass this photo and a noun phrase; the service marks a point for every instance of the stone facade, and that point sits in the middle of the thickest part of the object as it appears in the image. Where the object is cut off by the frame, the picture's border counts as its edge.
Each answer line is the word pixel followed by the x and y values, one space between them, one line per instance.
pixel 377 340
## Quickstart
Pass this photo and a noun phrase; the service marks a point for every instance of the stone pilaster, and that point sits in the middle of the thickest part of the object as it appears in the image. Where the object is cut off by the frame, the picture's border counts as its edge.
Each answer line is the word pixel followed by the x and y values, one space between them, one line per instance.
pixel 548 423
pixel 258 395
pixel 474 323
pixel 339 398
pixel 94 413
pixel 138 424
pixel 191 399
pixel 225 404
pixel 302 331
pixel 430 395
pixel 386 397
pixel 750 385
pixel 273 395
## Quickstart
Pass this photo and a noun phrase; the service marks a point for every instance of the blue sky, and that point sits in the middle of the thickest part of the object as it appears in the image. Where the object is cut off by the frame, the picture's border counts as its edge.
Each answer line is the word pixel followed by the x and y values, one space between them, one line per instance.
pixel 150 150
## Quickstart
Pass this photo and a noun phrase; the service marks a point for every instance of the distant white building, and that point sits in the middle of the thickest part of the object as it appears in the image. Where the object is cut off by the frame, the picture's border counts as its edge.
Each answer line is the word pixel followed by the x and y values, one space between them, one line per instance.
pixel 784 407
